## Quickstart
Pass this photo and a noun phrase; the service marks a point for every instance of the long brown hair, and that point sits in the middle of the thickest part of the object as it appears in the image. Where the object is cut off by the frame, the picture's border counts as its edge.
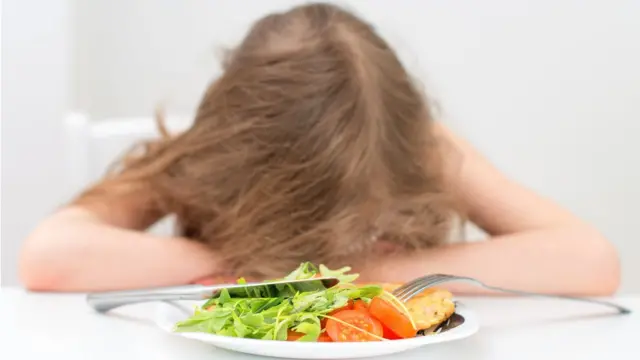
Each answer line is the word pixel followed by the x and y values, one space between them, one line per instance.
pixel 312 145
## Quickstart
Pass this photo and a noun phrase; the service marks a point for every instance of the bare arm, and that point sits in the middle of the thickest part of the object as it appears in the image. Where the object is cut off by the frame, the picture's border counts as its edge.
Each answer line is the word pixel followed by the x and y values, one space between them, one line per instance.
pixel 102 247
pixel 536 245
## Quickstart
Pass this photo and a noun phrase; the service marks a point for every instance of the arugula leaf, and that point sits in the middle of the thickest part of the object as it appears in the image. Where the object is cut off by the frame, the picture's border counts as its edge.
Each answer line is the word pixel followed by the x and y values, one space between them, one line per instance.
pixel 303 301
pixel 268 335
pixel 340 274
pixel 364 292
pixel 240 328
pixel 209 303
pixel 271 316
pixel 305 271
pixel 311 331
pixel 253 320
pixel 223 297
pixel 282 328
pixel 204 321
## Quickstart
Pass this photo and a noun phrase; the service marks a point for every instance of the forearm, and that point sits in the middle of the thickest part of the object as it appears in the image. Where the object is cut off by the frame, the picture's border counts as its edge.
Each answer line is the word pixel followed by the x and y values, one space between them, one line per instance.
pixel 72 252
pixel 572 260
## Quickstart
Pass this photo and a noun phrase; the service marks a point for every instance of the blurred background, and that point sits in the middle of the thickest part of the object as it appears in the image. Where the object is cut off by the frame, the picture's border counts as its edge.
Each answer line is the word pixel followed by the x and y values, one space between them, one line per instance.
pixel 548 90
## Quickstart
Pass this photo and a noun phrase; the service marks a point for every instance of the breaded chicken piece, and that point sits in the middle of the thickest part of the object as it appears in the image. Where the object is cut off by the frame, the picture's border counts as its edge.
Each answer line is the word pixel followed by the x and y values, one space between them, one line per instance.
pixel 431 307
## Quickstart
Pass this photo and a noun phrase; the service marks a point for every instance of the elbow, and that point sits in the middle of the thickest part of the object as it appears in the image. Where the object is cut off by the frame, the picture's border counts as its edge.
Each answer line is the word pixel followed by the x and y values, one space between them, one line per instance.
pixel 41 267
pixel 40 278
pixel 603 262
pixel 34 278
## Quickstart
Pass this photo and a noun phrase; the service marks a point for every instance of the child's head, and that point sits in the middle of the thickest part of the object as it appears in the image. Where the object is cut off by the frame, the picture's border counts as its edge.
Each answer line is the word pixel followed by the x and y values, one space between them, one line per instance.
pixel 313 143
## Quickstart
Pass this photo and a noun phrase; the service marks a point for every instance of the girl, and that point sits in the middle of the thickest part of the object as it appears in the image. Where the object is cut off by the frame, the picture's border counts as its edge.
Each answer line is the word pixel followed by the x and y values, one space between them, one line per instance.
pixel 314 145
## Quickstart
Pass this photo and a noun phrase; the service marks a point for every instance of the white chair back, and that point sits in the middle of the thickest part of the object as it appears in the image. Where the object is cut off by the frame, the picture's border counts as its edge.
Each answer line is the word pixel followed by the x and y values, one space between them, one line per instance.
pixel 92 146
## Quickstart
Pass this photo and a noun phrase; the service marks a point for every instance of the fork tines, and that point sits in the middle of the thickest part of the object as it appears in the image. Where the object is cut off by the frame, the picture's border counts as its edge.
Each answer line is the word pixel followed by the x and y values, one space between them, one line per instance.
pixel 416 286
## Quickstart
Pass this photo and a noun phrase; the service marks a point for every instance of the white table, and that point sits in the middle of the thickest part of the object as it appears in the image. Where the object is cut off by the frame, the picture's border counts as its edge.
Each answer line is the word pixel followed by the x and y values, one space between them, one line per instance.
pixel 39 326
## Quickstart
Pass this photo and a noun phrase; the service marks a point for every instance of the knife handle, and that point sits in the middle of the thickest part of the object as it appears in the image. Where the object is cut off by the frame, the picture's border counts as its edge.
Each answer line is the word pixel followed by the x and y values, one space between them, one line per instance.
pixel 108 300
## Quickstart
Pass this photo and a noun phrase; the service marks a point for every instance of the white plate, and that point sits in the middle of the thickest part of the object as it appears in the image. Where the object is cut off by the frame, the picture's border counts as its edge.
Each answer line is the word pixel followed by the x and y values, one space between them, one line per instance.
pixel 167 314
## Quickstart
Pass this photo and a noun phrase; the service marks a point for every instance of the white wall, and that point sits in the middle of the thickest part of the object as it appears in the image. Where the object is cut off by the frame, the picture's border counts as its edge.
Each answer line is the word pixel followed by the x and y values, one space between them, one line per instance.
pixel 549 90
pixel 36 57
pixel 0 147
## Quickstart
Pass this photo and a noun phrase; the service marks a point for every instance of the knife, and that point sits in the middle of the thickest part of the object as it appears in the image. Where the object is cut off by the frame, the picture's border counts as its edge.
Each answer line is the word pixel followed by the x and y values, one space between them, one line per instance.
pixel 108 300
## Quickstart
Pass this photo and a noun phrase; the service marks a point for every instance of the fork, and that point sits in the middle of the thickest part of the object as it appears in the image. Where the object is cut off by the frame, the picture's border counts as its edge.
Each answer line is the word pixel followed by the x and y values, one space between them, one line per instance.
pixel 414 287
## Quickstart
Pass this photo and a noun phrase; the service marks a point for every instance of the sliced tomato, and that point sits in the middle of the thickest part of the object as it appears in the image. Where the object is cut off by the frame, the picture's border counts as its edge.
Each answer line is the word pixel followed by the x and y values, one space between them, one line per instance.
pixel 294 336
pixel 371 329
pixel 389 334
pixel 324 337
pixel 392 318
pixel 349 306
pixel 360 305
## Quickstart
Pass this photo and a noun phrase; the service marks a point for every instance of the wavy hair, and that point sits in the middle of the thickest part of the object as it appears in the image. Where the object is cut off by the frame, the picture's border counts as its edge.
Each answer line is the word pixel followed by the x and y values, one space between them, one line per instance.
pixel 312 145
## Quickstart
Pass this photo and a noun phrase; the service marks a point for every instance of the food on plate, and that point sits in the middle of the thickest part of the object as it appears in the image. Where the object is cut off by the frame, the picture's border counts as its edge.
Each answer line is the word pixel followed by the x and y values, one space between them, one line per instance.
pixel 429 308
pixel 348 325
pixel 347 312
pixel 397 321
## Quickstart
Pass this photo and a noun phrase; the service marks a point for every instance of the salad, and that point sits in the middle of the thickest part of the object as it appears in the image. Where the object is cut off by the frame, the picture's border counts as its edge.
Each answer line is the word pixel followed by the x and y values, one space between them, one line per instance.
pixel 346 312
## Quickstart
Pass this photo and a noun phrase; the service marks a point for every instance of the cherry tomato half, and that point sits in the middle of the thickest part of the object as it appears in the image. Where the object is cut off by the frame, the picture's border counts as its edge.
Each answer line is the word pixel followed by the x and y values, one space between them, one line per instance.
pixel 349 306
pixel 344 333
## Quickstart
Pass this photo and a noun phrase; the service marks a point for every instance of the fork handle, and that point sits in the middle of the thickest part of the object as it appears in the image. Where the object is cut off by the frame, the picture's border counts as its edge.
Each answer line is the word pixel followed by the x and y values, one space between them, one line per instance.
pixel 108 300
pixel 416 286
pixel 621 309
